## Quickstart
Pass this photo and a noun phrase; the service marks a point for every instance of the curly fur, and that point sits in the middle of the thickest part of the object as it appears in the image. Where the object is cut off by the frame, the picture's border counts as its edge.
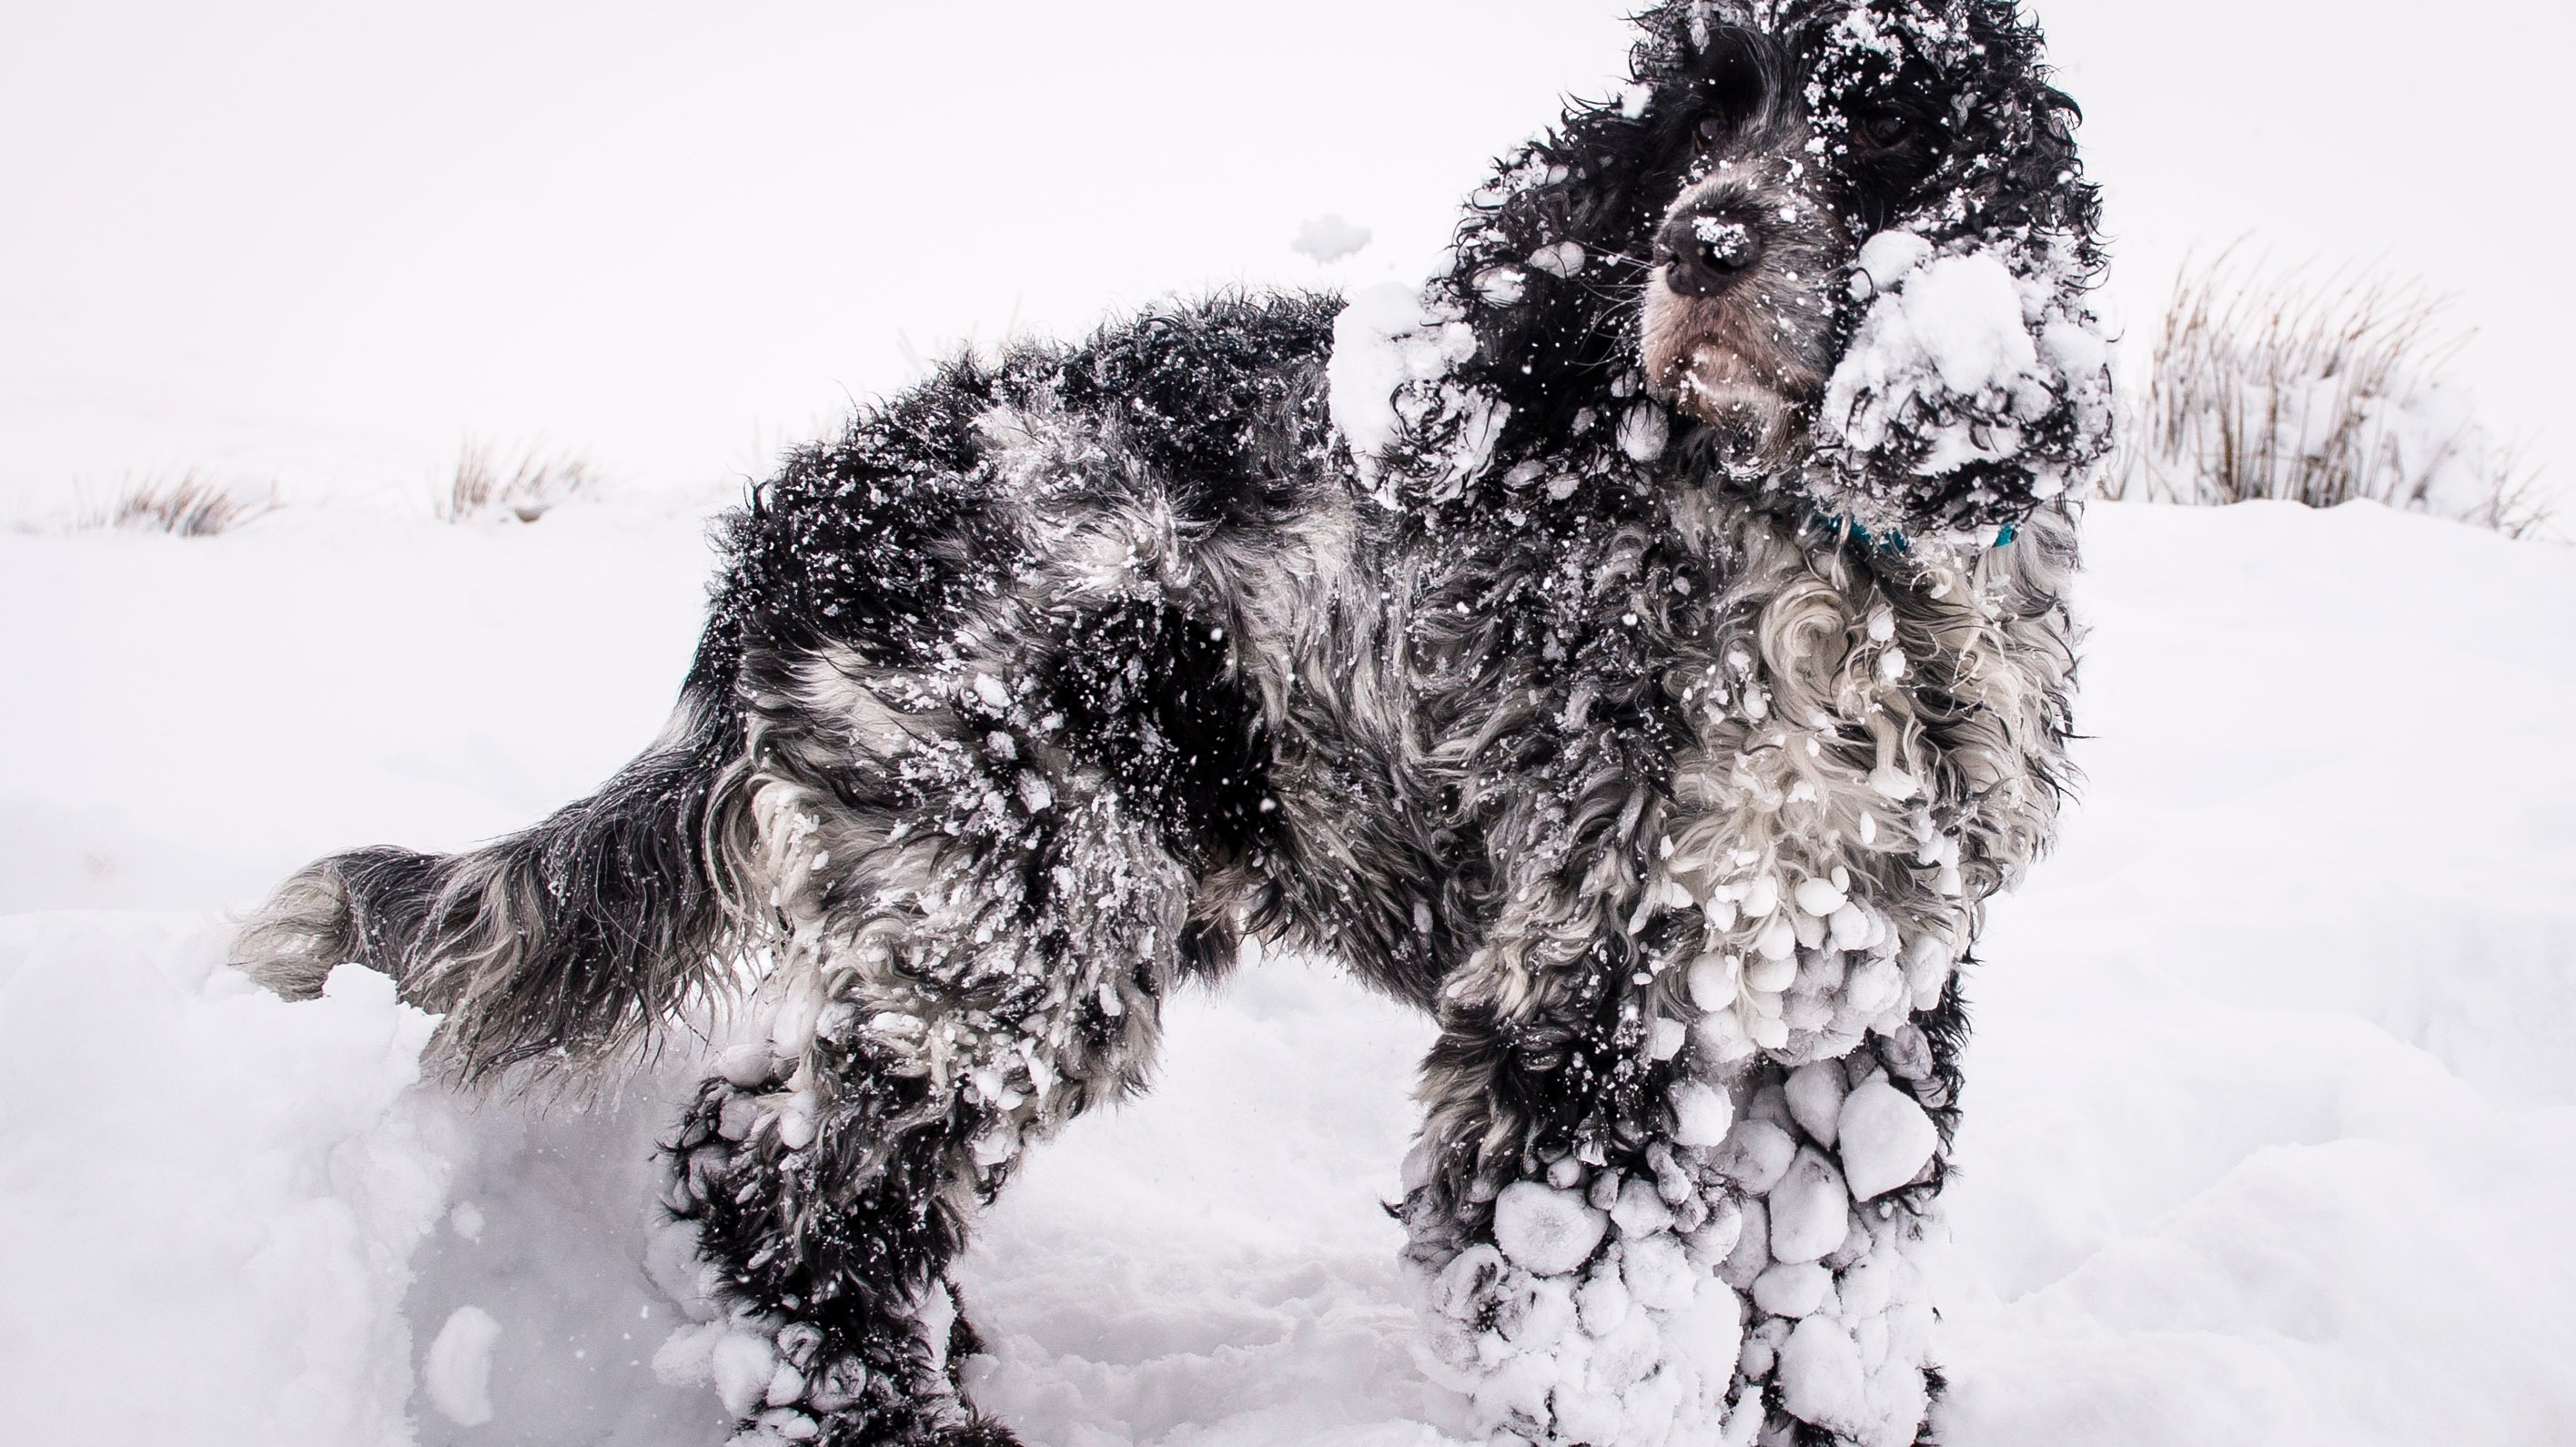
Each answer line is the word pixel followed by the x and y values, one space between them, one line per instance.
pixel 1611 649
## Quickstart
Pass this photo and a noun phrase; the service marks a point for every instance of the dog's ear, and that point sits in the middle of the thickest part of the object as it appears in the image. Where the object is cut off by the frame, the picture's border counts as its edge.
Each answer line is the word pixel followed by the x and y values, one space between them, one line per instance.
pixel 1938 117
pixel 1926 107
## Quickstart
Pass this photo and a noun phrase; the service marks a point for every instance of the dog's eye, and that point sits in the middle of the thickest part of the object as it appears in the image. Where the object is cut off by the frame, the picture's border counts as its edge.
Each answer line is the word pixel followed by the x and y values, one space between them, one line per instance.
pixel 1711 130
pixel 1884 131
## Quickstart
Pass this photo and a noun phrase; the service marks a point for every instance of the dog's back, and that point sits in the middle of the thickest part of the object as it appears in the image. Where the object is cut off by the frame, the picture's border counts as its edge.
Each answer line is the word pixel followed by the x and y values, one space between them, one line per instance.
pixel 1089 511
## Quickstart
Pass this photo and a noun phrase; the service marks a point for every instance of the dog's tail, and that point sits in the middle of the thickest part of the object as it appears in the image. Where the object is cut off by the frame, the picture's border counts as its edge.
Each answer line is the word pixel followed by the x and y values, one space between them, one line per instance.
pixel 571 939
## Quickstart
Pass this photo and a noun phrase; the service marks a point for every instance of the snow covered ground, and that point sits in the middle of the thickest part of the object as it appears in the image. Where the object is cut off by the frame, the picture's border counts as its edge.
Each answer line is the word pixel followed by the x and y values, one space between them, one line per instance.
pixel 2269 1135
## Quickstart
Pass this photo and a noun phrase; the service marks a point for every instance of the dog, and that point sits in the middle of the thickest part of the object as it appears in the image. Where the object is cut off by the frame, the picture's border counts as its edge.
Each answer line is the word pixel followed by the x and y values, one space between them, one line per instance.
pixel 1643 648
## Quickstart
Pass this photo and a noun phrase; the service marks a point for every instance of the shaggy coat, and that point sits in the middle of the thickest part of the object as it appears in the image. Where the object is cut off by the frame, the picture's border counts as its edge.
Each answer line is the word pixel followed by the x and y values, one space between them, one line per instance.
pixel 1642 648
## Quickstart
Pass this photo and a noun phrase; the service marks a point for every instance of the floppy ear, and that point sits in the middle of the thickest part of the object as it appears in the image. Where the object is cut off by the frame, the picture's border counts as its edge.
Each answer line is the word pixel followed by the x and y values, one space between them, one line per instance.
pixel 2016 149
pixel 2052 168
pixel 2005 216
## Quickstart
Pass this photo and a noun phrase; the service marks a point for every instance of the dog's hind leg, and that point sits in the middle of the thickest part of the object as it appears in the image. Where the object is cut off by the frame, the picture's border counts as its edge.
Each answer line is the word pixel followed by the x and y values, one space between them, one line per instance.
pixel 973 949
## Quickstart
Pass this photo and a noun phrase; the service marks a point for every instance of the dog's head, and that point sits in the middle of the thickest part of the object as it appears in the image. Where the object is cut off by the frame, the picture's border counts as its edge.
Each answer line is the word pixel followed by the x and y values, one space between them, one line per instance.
pixel 1836 251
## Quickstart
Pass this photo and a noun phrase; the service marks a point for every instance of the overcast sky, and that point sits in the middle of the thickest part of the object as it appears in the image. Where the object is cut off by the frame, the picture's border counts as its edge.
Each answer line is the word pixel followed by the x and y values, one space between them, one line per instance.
pixel 324 243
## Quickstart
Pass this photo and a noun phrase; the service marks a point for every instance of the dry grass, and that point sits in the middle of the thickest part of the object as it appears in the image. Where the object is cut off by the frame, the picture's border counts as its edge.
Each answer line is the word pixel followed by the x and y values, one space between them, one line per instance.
pixel 191 505
pixel 484 485
pixel 2320 389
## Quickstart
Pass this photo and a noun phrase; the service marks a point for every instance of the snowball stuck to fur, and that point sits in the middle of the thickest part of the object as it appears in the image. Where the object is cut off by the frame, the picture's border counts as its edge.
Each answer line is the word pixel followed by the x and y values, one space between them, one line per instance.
pixel 746 1066
pixel 1640 1209
pixel 1752 1249
pixel 1546 1231
pixel 1715 1239
pixel 1818 897
pixel 1885 258
pixel 1665 1038
pixel 1460 1289
pixel 1816 1098
pixel 1702 1114
pixel 1756 1155
pixel 1542 1318
pixel 1382 340
pixel 672 1262
pixel 1502 285
pixel 1778 941
pixel 1644 432
pixel 1820 1377
pixel 1893 783
pixel 1967 314
pixel 1886 1139
pixel 1769 975
pixel 682 1359
pixel 1658 1273
pixel 744 1363
pixel 1712 980
pixel 1603 1300
pixel 1810 1212
pixel 1565 258
pixel 1852 927
pixel 1792 1289
pixel 1761 897
pixel 1874 988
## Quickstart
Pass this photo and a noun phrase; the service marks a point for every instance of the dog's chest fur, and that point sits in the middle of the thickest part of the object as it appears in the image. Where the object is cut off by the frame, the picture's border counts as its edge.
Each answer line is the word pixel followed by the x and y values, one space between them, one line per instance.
pixel 1719 735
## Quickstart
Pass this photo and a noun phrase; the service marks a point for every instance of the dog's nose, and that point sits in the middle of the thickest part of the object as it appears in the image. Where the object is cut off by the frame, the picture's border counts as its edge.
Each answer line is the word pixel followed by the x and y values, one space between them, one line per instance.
pixel 1706 253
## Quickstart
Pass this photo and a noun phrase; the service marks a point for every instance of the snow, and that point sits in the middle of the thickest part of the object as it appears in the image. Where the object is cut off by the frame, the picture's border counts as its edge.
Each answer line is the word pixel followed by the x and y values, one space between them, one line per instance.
pixel 1887 1140
pixel 2265 1136
pixel 1950 354
pixel 1815 1096
pixel 1329 237
pixel 1821 1379
pixel 1757 1154
pixel 1792 1289
pixel 1702 1113
pixel 210 1196
pixel 1810 1209
pixel 1381 341
pixel 456 1376
pixel 1966 314
pixel 1545 1230
pixel 1885 258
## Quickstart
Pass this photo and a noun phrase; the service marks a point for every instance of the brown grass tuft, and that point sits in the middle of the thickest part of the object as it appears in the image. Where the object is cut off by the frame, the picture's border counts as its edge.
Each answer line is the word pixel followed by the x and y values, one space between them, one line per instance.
pixel 2320 389
pixel 483 485
pixel 191 505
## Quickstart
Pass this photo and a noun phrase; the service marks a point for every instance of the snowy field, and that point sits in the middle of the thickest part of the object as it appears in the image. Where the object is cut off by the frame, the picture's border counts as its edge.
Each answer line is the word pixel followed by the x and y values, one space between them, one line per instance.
pixel 2270 1133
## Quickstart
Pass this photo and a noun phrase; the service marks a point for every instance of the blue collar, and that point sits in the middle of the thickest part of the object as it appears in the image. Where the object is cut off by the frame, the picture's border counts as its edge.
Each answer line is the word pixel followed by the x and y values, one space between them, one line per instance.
pixel 1893 541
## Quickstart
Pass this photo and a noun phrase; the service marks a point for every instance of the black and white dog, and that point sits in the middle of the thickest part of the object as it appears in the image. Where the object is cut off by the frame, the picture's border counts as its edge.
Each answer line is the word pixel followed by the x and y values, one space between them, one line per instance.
pixel 1642 648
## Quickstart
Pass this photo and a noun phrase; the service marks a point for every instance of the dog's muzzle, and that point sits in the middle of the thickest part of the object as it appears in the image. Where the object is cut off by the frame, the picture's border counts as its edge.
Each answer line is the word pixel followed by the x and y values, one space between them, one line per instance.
pixel 1707 251
pixel 1721 342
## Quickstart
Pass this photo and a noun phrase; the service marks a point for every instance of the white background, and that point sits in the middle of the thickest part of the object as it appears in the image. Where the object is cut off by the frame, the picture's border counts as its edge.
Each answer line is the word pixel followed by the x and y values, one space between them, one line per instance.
pixel 323 244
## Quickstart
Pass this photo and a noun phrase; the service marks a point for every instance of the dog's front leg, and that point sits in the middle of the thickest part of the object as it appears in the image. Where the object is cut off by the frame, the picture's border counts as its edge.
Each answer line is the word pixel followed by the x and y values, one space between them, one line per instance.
pixel 1623 1240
